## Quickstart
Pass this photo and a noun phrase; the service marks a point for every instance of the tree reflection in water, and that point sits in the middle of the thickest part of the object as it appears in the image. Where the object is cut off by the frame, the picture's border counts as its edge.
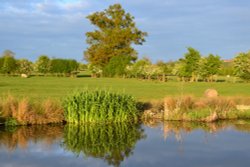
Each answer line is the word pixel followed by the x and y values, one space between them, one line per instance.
pixel 110 142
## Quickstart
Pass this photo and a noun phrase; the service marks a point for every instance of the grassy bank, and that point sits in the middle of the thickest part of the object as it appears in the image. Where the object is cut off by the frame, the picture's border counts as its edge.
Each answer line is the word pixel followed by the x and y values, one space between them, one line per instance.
pixel 23 111
pixel 187 108
pixel 31 104
pixel 41 88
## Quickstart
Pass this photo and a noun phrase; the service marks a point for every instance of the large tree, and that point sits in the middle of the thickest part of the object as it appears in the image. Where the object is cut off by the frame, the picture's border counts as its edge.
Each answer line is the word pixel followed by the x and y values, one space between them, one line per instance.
pixel 43 64
pixel 24 66
pixel 192 58
pixel 210 66
pixel 8 62
pixel 187 68
pixel 242 65
pixel 116 32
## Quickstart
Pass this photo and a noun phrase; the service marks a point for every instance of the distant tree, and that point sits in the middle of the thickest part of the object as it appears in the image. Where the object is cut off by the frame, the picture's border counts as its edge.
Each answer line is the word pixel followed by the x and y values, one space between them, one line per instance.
pixel 242 65
pixel 43 64
pixel 63 66
pixel 227 69
pixel 96 71
pixel 139 69
pixel 191 64
pixel 180 70
pixel 117 66
pixel 165 69
pixel 1 64
pixel 210 66
pixel 83 67
pixel 115 34
pixel 8 62
pixel 8 53
pixel 24 66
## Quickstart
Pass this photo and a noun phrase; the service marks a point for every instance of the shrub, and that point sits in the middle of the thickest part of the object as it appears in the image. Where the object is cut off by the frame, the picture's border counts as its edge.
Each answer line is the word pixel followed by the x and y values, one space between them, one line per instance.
pixel 99 106
pixel 11 122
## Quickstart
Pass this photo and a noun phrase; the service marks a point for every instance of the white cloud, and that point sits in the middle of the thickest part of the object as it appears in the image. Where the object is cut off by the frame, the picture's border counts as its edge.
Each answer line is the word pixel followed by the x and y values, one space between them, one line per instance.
pixel 61 6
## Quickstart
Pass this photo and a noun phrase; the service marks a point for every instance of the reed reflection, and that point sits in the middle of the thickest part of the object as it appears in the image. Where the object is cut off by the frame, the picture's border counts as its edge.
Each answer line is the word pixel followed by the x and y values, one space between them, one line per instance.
pixel 111 142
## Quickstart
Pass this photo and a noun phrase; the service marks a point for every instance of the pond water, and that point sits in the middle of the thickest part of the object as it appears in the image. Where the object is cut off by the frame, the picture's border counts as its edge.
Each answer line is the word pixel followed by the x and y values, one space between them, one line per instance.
pixel 149 144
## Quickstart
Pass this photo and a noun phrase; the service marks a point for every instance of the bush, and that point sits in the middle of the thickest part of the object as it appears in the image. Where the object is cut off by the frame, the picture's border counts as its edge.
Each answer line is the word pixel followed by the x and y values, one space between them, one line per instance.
pixel 11 122
pixel 99 106
pixel 117 66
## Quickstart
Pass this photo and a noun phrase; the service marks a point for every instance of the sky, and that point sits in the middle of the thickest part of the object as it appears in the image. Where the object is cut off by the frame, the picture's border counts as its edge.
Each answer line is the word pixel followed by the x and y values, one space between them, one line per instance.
pixel 57 28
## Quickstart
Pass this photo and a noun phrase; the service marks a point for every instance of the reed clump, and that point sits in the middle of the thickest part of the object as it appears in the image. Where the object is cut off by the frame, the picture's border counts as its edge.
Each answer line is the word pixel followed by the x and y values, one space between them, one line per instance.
pixel 100 106
pixel 26 112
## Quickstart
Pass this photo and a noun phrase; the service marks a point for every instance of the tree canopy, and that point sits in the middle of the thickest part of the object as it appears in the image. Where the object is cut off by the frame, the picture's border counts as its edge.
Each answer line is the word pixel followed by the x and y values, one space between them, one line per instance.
pixel 241 65
pixel 115 34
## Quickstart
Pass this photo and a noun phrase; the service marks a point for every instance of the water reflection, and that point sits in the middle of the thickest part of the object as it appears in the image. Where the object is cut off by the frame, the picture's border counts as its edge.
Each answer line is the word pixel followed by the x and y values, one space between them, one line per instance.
pixel 112 143
pixel 117 145
pixel 177 128
pixel 19 137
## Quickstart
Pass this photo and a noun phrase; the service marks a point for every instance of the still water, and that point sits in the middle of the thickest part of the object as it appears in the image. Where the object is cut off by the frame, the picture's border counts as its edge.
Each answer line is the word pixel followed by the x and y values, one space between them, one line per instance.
pixel 149 144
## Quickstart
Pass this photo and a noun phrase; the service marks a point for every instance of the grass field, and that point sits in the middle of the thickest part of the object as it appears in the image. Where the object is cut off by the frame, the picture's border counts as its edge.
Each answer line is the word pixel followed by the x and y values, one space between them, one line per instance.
pixel 39 88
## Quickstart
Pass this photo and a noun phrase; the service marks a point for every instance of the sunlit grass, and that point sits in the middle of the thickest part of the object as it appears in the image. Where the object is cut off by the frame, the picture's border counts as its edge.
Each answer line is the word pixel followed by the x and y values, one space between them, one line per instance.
pixel 38 88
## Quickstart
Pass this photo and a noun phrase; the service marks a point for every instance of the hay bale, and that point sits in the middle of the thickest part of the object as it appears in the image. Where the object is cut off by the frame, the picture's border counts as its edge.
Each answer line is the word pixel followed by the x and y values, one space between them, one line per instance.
pixel 243 107
pixel 24 75
pixel 211 93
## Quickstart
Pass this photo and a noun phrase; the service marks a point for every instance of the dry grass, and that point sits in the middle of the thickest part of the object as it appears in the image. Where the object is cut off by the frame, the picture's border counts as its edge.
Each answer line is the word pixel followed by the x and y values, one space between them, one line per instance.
pixel 202 109
pixel 27 112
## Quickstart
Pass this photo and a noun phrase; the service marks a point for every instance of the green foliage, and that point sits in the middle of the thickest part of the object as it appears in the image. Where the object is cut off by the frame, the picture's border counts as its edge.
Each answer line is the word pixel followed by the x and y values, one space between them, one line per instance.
pixel 210 66
pixel 188 67
pixel 110 142
pixel 115 34
pixel 191 60
pixel 117 66
pixel 8 62
pixel 227 69
pixel 1 64
pixel 11 122
pixel 241 65
pixel 24 66
pixel 63 66
pixel 198 114
pixel 243 114
pixel 100 106
pixel 139 68
pixel 43 64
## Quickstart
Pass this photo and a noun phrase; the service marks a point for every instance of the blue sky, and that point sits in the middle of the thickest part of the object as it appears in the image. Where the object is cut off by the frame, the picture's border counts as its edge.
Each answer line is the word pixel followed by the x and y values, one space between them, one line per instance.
pixel 57 27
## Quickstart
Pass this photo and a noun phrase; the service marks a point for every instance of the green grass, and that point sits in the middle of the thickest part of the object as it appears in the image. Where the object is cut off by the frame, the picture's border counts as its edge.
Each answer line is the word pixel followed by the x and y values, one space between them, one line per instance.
pixel 39 88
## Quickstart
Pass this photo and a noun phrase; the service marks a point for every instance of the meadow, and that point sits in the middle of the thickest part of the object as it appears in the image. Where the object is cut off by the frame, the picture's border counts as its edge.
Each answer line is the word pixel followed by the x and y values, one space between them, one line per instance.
pixel 41 88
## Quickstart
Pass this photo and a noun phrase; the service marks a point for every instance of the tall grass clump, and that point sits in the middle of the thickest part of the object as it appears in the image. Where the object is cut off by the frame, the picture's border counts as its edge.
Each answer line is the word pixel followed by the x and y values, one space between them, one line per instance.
pixel 99 106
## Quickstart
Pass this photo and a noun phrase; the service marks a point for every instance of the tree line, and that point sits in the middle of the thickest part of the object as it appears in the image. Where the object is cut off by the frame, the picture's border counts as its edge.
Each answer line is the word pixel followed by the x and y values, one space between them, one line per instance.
pixel 9 65
pixel 192 67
